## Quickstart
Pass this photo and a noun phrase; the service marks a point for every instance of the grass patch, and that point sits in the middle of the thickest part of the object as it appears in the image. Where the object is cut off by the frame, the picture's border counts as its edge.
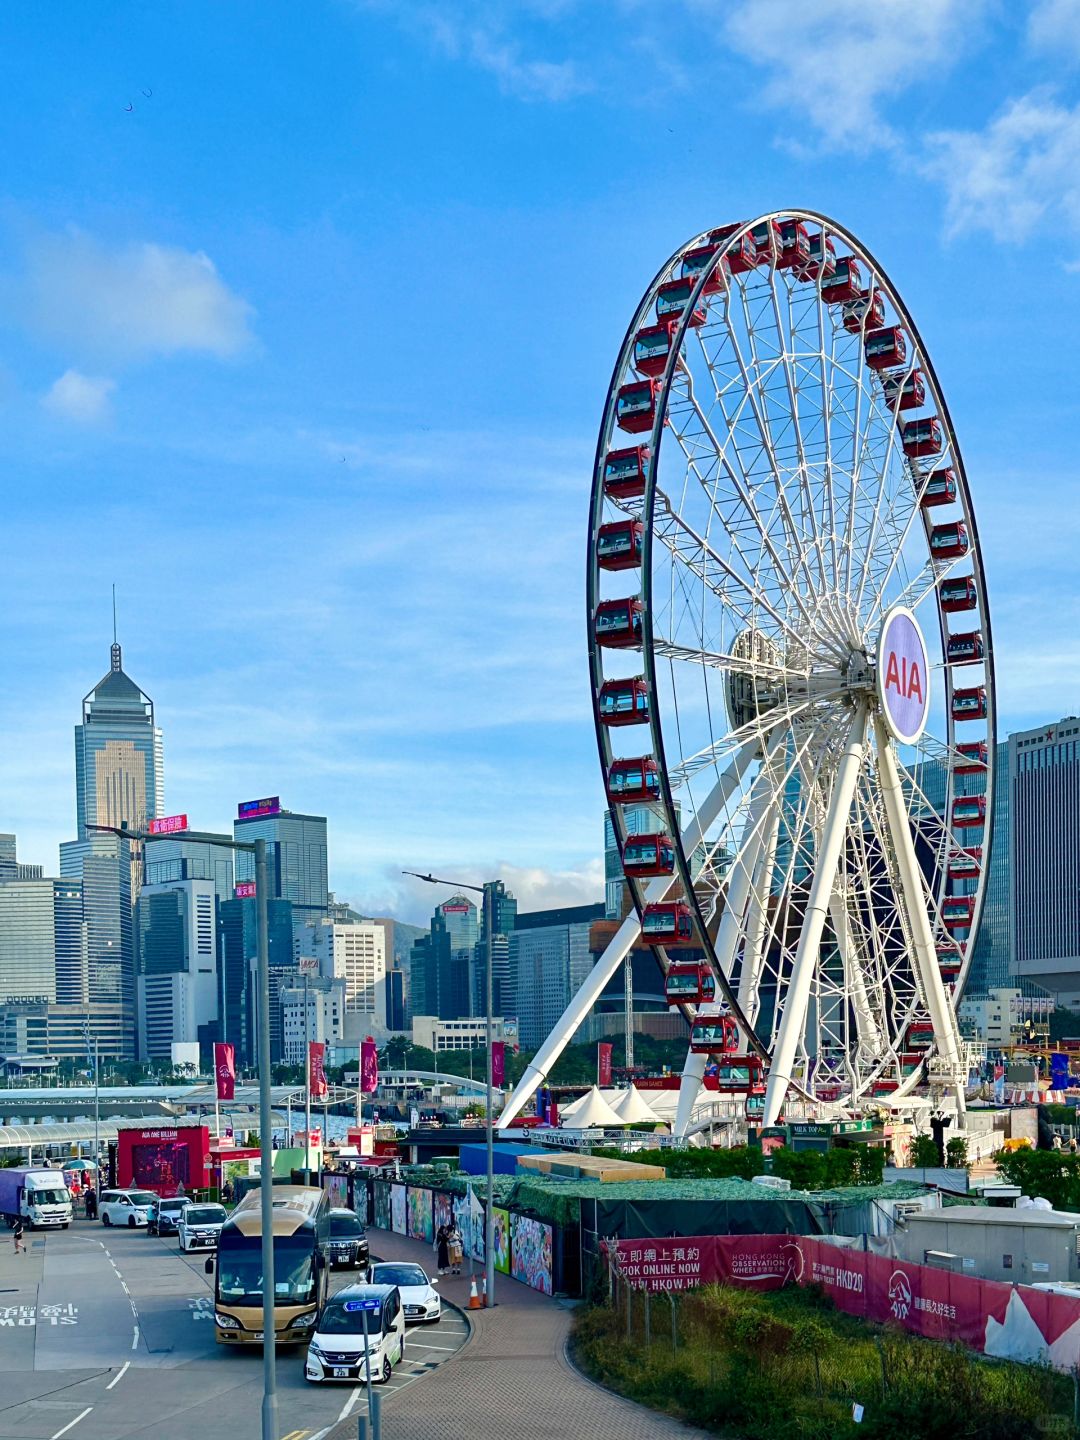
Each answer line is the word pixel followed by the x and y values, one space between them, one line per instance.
pixel 788 1366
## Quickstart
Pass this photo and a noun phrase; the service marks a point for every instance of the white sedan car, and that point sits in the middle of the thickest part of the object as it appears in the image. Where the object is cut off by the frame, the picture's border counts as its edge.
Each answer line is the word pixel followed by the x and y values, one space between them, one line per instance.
pixel 200 1225
pixel 418 1293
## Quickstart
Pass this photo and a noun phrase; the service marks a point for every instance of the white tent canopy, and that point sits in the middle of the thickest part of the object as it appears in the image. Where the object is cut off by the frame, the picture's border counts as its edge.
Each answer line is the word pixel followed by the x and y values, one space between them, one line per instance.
pixel 633 1109
pixel 592 1111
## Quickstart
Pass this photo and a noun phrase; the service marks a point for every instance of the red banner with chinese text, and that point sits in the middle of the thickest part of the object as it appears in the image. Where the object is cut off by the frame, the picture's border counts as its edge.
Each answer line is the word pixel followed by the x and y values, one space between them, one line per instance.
pixel 225 1070
pixel 317 1070
pixel 369 1067
pixel 603 1064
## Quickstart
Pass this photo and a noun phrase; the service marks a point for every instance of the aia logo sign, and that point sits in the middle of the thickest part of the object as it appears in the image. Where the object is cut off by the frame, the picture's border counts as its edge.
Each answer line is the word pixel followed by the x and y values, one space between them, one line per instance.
pixel 902 675
pixel 899 1295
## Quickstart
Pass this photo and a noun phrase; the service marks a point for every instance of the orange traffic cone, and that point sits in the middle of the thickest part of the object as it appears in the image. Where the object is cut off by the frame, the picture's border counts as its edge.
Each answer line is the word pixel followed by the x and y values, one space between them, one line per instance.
pixel 475 1303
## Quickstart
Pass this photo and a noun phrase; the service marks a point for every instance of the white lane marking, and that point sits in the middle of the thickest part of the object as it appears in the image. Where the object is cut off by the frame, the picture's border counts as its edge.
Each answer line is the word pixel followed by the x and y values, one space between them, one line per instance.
pixel 72 1423
pixel 118 1377
pixel 123 1286
pixel 135 1341
pixel 419 1345
pixel 346 1409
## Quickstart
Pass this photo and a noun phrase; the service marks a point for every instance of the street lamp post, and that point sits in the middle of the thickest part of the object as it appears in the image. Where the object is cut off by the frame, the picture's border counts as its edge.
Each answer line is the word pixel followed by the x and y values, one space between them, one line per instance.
pixel 489 949
pixel 257 848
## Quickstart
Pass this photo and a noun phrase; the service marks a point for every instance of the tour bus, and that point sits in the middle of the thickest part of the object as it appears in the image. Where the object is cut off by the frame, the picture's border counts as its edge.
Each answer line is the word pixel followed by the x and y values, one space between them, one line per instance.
pixel 301 1271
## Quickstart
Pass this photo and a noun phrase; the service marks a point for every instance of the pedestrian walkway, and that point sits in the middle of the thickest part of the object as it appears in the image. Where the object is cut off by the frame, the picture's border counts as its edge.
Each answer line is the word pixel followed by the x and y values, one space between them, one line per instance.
pixel 512 1380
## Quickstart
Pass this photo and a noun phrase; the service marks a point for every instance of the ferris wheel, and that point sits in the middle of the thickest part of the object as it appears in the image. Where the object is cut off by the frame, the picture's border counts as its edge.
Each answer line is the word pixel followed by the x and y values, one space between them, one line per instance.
pixel 792 668
pixel 792 676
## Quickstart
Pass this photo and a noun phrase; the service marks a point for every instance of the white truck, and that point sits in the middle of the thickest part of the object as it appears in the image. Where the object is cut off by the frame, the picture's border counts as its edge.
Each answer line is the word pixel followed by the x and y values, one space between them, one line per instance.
pixel 39 1197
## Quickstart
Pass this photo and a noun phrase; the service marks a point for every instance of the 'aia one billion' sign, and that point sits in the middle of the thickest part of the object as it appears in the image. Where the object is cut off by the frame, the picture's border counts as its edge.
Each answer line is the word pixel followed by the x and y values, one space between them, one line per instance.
pixel 903 675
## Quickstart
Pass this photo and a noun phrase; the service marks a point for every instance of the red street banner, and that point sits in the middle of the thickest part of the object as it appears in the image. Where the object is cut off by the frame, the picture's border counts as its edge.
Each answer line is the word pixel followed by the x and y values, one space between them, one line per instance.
pixel 603 1064
pixel 317 1070
pixel 369 1067
pixel 225 1071
pixel 498 1062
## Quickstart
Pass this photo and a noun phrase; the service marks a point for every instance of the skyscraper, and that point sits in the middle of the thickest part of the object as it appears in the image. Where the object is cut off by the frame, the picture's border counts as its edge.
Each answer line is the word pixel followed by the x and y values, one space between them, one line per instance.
pixel 177 969
pixel 103 865
pixel 441 961
pixel 72 970
pixel 549 960
pixel 27 940
pixel 1044 849
pixel 119 766
pixel 178 858
pixel 239 952
pixel 504 913
pixel 295 855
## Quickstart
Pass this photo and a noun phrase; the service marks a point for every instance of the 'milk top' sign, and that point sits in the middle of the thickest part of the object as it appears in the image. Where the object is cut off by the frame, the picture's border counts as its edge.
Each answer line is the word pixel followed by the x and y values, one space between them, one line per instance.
pixel 903 675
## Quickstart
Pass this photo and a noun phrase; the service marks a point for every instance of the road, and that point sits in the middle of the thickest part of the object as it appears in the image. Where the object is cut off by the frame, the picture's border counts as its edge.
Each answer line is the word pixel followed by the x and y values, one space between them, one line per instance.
pixel 107 1334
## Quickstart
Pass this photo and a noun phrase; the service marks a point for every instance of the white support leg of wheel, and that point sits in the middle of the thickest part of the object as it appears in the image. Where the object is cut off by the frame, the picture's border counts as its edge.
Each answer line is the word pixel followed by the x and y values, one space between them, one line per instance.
pixel 793 1020
pixel 757 920
pixel 621 943
pixel 689 1089
pixel 866 1025
pixel 915 904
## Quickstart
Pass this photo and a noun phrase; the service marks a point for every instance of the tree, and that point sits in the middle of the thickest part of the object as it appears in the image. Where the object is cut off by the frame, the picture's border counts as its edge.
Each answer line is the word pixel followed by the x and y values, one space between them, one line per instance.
pixel 956 1153
pixel 925 1154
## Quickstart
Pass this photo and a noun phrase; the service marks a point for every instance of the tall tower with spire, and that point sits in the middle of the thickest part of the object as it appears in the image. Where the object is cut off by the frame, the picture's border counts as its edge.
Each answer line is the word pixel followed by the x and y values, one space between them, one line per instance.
pixel 119 763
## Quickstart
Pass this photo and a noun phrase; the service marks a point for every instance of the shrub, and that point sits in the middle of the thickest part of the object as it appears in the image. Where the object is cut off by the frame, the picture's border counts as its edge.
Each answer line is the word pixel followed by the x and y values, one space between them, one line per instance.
pixel 925 1154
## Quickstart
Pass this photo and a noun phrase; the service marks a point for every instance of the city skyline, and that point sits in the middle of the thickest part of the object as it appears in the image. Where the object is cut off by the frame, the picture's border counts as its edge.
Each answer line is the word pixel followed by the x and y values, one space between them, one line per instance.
pixel 190 449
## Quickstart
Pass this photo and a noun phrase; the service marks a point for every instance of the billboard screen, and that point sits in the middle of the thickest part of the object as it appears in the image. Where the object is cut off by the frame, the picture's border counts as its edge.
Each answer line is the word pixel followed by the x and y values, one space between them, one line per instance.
pixel 167 825
pixel 245 890
pixel 248 809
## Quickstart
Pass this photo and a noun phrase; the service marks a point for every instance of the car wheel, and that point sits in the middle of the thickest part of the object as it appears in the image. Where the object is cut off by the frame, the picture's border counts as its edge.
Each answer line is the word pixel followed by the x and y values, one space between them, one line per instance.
pixel 105 1218
pixel 387 1370
pixel 132 1222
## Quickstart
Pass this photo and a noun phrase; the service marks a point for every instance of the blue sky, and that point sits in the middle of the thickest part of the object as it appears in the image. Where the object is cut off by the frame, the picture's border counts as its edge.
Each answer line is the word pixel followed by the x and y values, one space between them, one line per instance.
pixel 306 351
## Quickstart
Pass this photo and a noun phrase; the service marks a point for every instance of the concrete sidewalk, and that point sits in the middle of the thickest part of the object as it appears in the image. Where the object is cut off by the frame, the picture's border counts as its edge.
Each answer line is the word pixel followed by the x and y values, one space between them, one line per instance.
pixel 512 1380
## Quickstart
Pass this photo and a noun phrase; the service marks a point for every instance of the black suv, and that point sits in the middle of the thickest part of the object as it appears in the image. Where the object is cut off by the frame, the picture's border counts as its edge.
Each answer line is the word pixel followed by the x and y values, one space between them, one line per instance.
pixel 348 1240
pixel 165 1214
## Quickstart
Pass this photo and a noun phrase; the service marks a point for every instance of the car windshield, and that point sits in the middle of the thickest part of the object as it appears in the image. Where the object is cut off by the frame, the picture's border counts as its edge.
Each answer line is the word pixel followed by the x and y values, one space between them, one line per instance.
pixel 204 1215
pixel 143 1197
pixel 240 1274
pixel 348 1317
pixel 344 1227
pixel 398 1275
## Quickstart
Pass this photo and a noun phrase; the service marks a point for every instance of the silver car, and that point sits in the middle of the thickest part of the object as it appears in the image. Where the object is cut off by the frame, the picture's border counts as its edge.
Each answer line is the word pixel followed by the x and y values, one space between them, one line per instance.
pixel 200 1225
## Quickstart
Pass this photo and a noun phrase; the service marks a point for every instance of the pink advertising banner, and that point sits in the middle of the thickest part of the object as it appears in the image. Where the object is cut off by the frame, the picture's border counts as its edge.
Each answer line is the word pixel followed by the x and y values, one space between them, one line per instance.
pixel 369 1067
pixel 1012 1322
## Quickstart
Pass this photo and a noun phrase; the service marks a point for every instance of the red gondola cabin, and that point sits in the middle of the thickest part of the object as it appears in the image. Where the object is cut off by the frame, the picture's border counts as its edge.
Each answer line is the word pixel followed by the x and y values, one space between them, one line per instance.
pixel 691 983
pixel 965 649
pixel 886 349
pixel 694 261
pixel 652 348
pixel 920 1035
pixel 971 758
pixel 630 781
pixel 921 437
pixel 957 911
pixel 714 1035
pixel 950 961
pixel 958 593
pixel 965 864
pixel 968 812
pixel 844 284
pixel 821 260
pixel 673 297
pixel 969 704
pixel 647 855
pixel 624 472
pixel 949 541
pixel 635 405
pixel 905 392
pixel 670 922
pixel 767 244
pixel 618 623
pixel 940 489
pixel 741 255
pixel 624 702
pixel 618 545
pixel 794 246
pixel 740 1075
pixel 866 312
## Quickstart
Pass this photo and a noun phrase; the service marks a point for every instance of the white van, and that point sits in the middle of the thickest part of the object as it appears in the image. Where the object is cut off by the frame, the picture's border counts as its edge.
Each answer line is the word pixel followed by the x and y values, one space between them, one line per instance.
pixel 126 1207
pixel 336 1351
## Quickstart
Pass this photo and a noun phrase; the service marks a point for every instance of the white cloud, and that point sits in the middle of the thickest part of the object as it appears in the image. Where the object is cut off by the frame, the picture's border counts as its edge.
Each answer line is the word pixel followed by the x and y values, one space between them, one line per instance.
pixel 834 61
pixel 535 888
pixel 136 299
pixel 1007 176
pixel 1054 26
pixel 82 398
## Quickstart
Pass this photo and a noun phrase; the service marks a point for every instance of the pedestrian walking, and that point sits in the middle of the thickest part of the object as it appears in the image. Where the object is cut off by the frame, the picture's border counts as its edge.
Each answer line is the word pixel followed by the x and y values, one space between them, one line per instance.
pixel 91 1203
pixel 456 1248
pixel 17 1235
pixel 442 1248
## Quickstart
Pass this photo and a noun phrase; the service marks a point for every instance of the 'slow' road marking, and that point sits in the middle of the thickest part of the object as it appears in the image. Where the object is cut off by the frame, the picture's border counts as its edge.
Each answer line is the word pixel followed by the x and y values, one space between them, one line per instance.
pixel 117 1378
pixel 72 1423
pixel 135 1341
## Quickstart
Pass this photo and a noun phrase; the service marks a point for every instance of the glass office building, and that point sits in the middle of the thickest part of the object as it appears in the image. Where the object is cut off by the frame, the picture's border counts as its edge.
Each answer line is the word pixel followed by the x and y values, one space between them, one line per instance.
pixel 295 858
pixel 119 766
